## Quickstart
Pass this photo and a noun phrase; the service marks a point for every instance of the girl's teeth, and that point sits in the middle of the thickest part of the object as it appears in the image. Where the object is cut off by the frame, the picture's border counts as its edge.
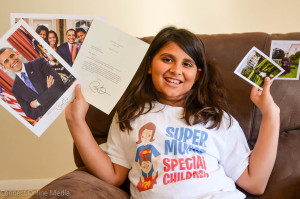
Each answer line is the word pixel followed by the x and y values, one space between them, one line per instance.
pixel 174 81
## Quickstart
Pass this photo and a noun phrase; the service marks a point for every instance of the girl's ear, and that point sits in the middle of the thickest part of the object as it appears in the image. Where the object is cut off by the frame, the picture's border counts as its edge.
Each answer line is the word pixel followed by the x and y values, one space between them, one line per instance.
pixel 198 74
pixel 149 70
pixel 149 67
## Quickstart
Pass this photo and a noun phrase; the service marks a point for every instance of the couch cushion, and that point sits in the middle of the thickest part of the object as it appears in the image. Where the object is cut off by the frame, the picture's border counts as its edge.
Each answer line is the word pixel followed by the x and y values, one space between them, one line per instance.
pixel 285 177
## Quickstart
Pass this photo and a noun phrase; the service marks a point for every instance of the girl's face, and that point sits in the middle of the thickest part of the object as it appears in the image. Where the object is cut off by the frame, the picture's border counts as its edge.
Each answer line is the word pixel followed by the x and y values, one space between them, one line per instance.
pixel 146 136
pixel 173 73
pixel 43 34
pixel 52 39
pixel 81 36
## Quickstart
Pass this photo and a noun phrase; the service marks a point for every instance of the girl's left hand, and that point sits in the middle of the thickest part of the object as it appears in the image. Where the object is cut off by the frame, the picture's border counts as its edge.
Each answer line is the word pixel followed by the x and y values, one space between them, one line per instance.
pixel 263 99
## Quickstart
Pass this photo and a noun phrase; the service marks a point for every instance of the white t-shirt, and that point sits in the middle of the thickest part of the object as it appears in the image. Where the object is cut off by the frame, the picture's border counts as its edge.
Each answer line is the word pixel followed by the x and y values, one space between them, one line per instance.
pixel 179 161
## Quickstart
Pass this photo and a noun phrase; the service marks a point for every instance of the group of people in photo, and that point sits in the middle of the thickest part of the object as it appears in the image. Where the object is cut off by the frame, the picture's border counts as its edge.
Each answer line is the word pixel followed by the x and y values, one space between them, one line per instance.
pixel 68 50
pixel 40 82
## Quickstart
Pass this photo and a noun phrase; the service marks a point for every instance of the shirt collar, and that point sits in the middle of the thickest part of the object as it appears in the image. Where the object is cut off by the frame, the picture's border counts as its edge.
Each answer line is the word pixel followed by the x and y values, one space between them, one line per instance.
pixel 70 45
pixel 23 70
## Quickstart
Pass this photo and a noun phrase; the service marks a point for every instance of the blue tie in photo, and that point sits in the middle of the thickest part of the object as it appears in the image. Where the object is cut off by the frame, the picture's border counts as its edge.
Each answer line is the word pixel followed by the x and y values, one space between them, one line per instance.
pixel 28 82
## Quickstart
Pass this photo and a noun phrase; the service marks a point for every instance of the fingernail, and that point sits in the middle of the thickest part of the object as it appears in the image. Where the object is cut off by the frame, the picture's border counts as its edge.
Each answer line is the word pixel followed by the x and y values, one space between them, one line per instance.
pixel 79 86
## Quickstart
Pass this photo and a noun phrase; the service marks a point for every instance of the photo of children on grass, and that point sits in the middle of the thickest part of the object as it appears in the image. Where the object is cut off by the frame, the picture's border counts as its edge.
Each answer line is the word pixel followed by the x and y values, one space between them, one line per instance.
pixel 256 66
pixel 286 54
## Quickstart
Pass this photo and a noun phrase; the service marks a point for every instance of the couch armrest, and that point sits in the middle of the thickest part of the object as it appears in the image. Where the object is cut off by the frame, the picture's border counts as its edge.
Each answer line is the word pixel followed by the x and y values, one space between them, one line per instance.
pixel 80 184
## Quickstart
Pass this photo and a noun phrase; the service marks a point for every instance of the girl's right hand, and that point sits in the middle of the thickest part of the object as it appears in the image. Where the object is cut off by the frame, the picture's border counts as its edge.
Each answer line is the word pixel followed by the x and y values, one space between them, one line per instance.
pixel 77 109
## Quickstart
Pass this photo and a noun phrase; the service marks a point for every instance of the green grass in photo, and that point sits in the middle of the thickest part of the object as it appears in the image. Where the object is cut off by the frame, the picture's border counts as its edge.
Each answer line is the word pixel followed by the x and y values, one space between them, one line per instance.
pixel 264 66
pixel 292 74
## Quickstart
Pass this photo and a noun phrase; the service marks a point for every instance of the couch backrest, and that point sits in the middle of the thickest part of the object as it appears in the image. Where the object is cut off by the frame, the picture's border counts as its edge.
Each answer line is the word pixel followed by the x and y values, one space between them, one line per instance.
pixel 226 51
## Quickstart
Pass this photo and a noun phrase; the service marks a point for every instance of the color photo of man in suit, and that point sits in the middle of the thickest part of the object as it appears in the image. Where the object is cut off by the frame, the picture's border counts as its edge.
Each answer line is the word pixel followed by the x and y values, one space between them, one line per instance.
pixel 65 50
pixel 36 87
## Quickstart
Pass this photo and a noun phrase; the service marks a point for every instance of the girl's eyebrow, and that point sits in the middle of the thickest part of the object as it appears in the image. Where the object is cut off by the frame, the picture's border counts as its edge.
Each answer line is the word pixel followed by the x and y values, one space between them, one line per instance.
pixel 189 60
pixel 167 54
pixel 173 57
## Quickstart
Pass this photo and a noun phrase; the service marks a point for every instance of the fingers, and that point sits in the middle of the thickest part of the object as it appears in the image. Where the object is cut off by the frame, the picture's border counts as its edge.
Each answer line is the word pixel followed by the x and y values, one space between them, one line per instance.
pixel 47 81
pixel 267 85
pixel 78 93
pixel 50 78
pixel 33 104
pixel 254 91
pixel 50 81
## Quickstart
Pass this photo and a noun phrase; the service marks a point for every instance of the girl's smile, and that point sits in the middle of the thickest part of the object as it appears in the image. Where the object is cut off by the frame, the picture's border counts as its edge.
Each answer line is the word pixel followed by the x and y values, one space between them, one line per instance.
pixel 173 73
pixel 52 39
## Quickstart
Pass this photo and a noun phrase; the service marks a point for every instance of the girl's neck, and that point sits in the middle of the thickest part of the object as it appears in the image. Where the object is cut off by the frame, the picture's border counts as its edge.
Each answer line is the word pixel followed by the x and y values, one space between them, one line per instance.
pixel 172 102
pixel 53 47
pixel 177 101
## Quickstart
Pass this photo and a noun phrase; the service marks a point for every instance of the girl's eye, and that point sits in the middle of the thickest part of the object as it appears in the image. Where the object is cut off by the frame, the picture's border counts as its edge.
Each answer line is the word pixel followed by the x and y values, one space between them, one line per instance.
pixel 187 64
pixel 167 60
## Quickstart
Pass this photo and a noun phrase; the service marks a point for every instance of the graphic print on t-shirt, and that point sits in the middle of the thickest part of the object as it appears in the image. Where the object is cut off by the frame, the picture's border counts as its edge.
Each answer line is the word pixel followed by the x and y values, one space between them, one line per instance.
pixel 184 141
pixel 183 156
pixel 147 167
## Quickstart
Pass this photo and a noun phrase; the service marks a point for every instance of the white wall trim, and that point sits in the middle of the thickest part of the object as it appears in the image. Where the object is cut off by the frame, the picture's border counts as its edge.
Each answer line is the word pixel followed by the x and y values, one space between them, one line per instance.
pixel 6 185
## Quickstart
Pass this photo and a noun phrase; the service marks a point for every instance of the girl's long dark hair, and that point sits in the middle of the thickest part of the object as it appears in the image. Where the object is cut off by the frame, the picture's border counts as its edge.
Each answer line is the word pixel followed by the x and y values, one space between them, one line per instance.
pixel 205 102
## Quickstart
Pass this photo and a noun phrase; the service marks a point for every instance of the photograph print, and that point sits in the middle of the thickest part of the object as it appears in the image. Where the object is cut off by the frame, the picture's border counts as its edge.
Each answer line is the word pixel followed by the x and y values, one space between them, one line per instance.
pixel 64 33
pixel 35 83
pixel 286 54
pixel 256 66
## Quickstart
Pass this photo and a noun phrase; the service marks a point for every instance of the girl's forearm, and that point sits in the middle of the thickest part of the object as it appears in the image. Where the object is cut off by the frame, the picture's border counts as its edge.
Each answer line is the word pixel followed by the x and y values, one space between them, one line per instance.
pixel 263 156
pixel 264 153
pixel 95 159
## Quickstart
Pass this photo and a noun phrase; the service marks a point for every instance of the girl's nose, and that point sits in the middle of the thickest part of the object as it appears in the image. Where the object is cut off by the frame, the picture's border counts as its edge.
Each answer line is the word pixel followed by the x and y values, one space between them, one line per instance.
pixel 176 69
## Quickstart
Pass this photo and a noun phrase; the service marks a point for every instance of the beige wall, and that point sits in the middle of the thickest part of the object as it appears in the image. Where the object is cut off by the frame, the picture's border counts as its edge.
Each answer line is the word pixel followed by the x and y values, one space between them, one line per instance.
pixel 24 156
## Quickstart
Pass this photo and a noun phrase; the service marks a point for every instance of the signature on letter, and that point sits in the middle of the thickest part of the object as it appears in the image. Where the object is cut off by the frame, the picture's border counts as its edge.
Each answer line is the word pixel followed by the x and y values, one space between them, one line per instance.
pixel 98 87
pixel 62 103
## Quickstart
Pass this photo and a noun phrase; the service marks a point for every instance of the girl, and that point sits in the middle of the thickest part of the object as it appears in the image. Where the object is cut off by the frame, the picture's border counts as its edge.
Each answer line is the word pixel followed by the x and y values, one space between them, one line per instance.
pixel 52 40
pixel 203 150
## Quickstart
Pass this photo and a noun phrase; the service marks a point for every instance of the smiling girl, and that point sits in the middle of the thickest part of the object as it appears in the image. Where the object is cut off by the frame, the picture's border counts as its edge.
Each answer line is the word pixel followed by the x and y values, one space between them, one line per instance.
pixel 53 40
pixel 203 150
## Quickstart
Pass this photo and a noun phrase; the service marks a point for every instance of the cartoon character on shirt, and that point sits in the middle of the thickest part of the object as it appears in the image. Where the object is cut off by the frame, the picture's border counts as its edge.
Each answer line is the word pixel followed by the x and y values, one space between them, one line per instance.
pixel 145 164
pixel 149 176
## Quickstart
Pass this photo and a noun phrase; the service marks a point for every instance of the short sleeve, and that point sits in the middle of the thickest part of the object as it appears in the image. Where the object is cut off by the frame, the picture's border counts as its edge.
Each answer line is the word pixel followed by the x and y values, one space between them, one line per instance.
pixel 115 146
pixel 235 158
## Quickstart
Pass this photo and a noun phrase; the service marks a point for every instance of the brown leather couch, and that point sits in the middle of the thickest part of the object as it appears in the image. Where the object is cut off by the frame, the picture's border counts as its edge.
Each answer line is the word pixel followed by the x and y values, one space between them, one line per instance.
pixel 225 51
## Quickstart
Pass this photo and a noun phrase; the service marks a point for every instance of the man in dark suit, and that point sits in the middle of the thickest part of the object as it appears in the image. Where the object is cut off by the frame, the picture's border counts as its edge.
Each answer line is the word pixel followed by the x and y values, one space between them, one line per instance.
pixel 65 50
pixel 37 86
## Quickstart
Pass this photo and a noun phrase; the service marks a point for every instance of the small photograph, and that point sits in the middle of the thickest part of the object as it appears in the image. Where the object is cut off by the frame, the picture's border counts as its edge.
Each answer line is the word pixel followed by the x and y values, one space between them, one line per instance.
pixel 64 33
pixel 256 66
pixel 286 54
pixel 34 81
